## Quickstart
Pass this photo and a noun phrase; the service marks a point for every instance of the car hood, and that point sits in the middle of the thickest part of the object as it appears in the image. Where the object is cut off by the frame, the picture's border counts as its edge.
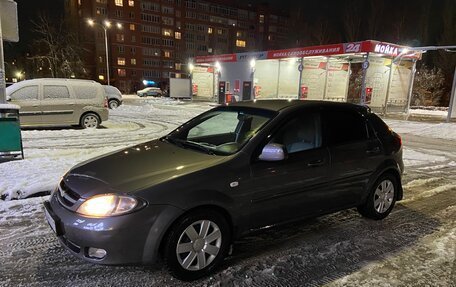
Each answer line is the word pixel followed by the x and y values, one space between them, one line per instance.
pixel 136 168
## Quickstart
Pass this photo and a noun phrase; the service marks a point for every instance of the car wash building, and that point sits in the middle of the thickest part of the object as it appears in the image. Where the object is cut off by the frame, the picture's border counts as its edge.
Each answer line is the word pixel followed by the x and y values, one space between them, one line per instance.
pixel 369 72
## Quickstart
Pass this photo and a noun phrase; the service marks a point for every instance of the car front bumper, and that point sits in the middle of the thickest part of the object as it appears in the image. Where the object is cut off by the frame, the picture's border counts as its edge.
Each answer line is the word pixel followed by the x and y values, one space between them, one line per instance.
pixel 127 239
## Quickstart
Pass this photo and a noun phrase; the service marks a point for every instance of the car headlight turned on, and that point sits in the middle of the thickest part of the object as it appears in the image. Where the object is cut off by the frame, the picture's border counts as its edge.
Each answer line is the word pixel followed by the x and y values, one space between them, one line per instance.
pixel 107 205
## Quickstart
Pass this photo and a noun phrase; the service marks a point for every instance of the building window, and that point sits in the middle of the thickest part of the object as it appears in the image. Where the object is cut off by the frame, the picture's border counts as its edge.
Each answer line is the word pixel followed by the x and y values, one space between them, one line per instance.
pixel 132 15
pixel 132 27
pixel 118 2
pixel 121 61
pixel 121 72
pixel 121 49
pixel 240 43
pixel 120 37
pixel 133 61
pixel 238 34
pixel 101 11
pixel 209 30
pixel 167 32
pixel 133 38
pixel 177 35
pixel 119 13
pixel 131 3
pixel 261 18
pixel 167 54
pixel 101 77
pixel 178 66
pixel 133 50
pixel 100 59
pixel 220 31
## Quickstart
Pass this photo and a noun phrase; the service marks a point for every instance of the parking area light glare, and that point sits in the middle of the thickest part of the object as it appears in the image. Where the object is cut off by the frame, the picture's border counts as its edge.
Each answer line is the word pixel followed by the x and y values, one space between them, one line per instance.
pixel 90 22
pixel 252 63
pixel 107 23
pixel 191 67
pixel 145 82
pixel 119 25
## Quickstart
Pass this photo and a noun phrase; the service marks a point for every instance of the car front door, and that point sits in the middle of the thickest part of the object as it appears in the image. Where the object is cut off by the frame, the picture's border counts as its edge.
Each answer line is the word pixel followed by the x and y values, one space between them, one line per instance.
pixel 28 99
pixel 57 105
pixel 294 187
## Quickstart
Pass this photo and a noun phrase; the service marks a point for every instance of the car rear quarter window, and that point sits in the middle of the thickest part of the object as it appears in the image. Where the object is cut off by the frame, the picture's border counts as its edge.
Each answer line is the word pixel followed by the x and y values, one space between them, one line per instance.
pixel 25 93
pixel 55 92
pixel 85 92
pixel 381 128
pixel 344 126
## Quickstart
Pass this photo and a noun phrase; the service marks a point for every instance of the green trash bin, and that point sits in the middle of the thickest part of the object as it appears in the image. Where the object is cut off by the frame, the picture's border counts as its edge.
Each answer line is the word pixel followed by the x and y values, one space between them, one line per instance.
pixel 10 132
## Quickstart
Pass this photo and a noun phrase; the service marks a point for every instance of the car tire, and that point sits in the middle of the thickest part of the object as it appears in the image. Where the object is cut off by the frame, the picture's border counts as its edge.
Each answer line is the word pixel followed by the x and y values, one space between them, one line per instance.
pixel 381 199
pixel 89 120
pixel 113 104
pixel 196 244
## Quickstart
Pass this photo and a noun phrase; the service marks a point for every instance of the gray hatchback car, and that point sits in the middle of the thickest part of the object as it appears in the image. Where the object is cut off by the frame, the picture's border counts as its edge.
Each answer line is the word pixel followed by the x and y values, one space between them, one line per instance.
pixel 236 168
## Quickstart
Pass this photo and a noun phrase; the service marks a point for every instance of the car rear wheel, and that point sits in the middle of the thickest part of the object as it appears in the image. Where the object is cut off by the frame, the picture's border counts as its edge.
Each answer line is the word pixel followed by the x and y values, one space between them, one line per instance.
pixel 90 120
pixel 113 104
pixel 196 244
pixel 381 199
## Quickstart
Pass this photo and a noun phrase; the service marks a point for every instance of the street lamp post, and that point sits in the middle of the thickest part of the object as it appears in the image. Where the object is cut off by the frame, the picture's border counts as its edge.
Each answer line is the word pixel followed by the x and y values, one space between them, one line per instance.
pixel 106 24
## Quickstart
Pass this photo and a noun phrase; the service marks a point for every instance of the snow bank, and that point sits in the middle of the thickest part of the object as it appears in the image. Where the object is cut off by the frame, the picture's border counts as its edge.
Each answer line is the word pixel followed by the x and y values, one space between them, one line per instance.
pixel 432 130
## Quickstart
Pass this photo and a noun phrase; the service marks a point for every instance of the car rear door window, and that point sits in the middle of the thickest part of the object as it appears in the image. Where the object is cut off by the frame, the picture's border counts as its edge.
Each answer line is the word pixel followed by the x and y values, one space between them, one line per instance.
pixel 85 92
pixel 344 126
pixel 55 92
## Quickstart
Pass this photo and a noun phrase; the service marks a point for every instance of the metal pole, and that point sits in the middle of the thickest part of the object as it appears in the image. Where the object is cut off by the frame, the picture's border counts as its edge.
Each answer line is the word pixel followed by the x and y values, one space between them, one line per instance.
pixel 2 70
pixel 278 80
pixel 348 81
pixel 390 77
pixel 363 81
pixel 301 67
pixel 412 79
pixel 107 55
pixel 326 79
pixel 452 103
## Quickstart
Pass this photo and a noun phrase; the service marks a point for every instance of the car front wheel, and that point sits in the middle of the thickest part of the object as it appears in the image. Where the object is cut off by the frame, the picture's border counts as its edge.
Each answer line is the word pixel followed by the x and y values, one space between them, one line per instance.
pixel 113 104
pixel 196 244
pixel 90 120
pixel 381 199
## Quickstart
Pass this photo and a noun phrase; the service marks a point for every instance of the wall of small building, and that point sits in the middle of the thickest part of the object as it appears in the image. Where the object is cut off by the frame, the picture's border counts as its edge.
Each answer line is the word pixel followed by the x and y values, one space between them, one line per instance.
pixel 232 72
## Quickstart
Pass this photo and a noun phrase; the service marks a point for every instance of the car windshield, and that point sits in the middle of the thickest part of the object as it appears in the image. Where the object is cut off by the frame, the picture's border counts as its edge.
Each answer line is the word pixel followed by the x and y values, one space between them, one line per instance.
pixel 223 131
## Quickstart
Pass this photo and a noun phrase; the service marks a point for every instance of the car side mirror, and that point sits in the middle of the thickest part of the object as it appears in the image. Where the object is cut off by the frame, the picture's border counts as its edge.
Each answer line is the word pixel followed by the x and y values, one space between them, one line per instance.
pixel 272 152
pixel 8 98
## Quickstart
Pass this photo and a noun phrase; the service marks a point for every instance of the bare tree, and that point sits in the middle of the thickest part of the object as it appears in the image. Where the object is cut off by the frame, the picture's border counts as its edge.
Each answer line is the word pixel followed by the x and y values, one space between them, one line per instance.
pixel 321 32
pixel 352 21
pixel 56 50
pixel 428 87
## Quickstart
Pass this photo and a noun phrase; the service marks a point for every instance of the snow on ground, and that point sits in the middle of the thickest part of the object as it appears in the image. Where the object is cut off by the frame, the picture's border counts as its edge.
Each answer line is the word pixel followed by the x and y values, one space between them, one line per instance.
pixel 432 130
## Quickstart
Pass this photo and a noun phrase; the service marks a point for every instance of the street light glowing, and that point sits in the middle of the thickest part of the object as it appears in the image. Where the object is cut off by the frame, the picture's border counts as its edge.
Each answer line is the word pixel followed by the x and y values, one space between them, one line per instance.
pixel 107 23
pixel 191 67
pixel 90 22
pixel 217 66
pixel 252 63
pixel 119 26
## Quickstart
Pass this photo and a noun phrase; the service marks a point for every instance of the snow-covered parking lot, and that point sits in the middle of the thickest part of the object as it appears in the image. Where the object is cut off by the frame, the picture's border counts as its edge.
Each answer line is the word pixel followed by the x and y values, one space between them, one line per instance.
pixel 414 246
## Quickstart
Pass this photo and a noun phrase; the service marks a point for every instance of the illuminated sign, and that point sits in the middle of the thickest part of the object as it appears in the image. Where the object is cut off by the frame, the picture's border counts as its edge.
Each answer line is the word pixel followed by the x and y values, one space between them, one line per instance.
pixel 386 49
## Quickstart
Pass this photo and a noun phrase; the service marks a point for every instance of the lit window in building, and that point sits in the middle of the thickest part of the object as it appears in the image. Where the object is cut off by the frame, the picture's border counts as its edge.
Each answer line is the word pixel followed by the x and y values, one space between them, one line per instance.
pixel 178 35
pixel 209 30
pixel 238 34
pixel 121 61
pixel 101 77
pixel 167 32
pixel 167 54
pixel 133 61
pixel 120 37
pixel 131 3
pixel 79 2
pixel 261 18
pixel 118 2
pixel 209 50
pixel 219 31
pixel 178 66
pixel 121 72
pixel 132 27
pixel 100 59
pixel 240 43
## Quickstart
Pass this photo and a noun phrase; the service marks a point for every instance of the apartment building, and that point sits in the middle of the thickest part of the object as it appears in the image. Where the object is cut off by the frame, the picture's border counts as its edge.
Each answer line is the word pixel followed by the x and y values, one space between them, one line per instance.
pixel 156 38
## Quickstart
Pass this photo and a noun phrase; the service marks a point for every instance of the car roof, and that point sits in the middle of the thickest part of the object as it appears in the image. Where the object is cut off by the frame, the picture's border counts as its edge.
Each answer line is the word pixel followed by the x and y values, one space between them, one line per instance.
pixel 279 105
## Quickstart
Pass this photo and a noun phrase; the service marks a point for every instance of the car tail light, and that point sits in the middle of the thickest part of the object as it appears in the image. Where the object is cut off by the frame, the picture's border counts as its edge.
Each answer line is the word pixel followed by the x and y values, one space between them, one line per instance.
pixel 105 102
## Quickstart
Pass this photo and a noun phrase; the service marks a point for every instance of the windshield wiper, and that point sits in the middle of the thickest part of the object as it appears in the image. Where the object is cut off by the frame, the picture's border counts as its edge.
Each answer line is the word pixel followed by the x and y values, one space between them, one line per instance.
pixel 190 144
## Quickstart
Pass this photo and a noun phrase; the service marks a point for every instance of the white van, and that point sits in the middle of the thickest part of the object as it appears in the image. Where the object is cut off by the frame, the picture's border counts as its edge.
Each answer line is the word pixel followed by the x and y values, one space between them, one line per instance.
pixel 57 102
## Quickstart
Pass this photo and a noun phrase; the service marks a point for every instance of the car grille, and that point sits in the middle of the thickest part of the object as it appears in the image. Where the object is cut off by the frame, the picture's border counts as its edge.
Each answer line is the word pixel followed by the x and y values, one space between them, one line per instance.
pixel 66 196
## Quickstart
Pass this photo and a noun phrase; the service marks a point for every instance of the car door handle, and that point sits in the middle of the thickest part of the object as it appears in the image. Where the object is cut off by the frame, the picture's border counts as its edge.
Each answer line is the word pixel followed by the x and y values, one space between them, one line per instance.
pixel 373 150
pixel 315 163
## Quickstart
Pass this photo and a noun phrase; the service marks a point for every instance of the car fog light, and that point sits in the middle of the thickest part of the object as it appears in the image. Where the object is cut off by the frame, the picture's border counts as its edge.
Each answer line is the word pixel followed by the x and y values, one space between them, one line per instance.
pixel 97 253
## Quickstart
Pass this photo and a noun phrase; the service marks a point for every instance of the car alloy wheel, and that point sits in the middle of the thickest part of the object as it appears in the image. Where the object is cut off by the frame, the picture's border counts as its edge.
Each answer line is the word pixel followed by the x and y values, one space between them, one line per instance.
pixel 199 245
pixel 384 196
pixel 381 199
pixel 196 244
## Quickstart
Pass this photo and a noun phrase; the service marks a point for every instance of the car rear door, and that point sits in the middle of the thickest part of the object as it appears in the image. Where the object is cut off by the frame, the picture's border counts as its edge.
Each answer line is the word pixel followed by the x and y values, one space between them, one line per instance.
pixel 295 187
pixel 57 104
pixel 354 156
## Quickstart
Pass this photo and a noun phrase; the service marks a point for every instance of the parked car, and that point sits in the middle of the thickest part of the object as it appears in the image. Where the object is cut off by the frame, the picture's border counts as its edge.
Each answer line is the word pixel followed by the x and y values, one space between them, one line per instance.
pixel 228 171
pixel 58 102
pixel 114 96
pixel 150 91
